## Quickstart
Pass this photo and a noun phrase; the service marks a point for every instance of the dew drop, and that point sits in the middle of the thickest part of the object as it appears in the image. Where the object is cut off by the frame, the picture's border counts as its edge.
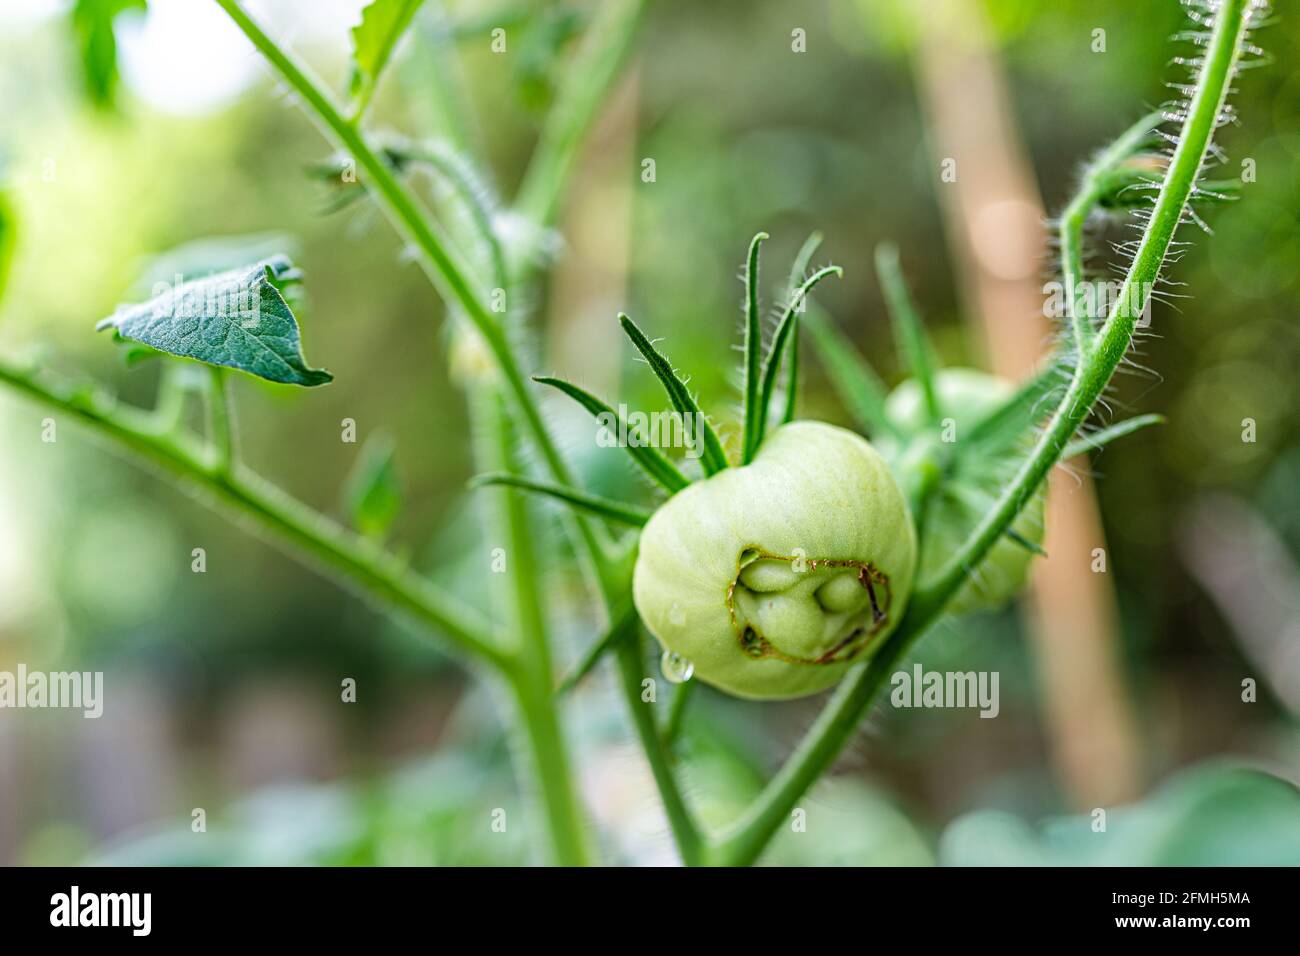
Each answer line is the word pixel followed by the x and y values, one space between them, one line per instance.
pixel 676 616
pixel 675 668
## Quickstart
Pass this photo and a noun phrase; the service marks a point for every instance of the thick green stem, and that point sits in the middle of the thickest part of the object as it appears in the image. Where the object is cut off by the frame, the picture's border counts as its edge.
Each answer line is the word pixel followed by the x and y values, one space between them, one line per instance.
pixel 531 677
pixel 441 261
pixel 540 720
pixel 1097 365
pixel 452 278
pixel 677 712
pixel 685 832
pixel 743 843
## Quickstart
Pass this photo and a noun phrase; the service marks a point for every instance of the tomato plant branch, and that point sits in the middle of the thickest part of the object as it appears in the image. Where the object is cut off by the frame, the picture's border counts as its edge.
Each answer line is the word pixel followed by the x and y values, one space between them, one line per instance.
pixel 452 278
pixel 744 841
pixel 1095 184
pixel 442 262
pixel 681 822
pixel 530 678
pixel 590 76
pixel 377 572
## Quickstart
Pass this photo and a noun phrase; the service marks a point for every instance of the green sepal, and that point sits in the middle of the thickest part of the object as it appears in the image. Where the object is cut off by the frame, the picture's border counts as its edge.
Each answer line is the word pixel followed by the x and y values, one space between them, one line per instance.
pixel 713 457
pixel 654 462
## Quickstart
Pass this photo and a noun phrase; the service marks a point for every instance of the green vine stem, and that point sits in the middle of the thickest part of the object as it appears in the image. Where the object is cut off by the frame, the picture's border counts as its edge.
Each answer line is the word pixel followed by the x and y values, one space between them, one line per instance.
pixel 604 47
pixel 530 676
pixel 1092 188
pixel 379 573
pixel 442 262
pixel 545 758
pixel 677 712
pixel 742 843
pixel 686 833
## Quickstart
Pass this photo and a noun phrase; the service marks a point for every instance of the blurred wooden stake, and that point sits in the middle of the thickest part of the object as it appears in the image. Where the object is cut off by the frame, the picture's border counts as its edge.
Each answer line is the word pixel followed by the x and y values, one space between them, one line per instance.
pixel 994 219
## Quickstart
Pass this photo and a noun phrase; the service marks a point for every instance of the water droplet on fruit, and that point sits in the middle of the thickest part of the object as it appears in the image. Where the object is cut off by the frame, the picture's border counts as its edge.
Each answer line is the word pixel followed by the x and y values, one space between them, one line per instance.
pixel 676 668
pixel 676 616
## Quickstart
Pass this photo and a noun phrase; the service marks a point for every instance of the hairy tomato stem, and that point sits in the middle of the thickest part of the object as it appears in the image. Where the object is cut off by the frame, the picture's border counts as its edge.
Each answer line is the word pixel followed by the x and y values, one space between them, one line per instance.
pixel 744 842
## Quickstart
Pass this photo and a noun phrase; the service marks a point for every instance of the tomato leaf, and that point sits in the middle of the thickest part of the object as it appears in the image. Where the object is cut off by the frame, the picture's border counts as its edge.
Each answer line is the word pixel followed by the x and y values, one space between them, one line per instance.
pixel 236 319
pixel 797 270
pixel 786 330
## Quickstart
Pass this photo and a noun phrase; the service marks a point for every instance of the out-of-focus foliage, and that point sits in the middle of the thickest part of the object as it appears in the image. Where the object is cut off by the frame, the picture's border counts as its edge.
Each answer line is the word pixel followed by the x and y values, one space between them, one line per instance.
pixel 8 229
pixel 1209 816
pixel 429 814
pixel 372 492
pixel 92 23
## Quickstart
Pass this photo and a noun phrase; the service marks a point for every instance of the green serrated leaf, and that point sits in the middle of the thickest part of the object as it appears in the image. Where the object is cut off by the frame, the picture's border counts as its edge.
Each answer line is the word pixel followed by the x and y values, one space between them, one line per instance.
pixel 236 319
pixel 210 255
pixel 713 457
pixel 605 508
pixel 1107 435
pixel 373 40
pixel 372 493
pixel 654 462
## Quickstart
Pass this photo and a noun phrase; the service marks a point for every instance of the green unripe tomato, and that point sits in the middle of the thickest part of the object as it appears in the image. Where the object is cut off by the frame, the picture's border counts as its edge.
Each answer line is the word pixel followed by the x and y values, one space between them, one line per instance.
pixel 773 577
pixel 966 396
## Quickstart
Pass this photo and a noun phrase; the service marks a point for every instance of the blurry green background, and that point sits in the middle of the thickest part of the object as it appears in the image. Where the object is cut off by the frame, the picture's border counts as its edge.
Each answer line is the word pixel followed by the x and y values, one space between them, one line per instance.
pixel 223 688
